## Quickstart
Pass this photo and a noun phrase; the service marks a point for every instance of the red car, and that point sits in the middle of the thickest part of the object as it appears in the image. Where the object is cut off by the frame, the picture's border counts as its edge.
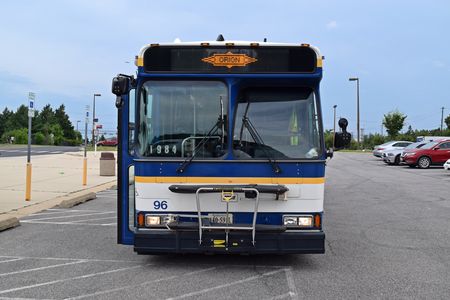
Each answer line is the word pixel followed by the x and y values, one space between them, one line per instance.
pixel 433 153
pixel 108 142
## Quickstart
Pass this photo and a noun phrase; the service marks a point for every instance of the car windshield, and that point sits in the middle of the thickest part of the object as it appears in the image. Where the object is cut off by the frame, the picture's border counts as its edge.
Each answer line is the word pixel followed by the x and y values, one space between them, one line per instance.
pixel 429 145
pixel 414 145
pixel 177 118
pixel 277 123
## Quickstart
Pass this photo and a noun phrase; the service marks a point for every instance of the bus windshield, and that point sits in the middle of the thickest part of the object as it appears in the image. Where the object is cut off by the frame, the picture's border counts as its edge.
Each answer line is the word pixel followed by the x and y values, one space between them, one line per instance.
pixel 285 121
pixel 177 116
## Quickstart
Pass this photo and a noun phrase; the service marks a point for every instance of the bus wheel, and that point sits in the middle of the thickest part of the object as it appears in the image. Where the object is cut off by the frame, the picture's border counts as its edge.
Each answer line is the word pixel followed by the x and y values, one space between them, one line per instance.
pixel 424 162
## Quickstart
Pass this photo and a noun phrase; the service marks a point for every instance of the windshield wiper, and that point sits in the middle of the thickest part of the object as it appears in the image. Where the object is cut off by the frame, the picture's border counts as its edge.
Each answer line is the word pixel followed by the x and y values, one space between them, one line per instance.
pixel 213 131
pixel 258 140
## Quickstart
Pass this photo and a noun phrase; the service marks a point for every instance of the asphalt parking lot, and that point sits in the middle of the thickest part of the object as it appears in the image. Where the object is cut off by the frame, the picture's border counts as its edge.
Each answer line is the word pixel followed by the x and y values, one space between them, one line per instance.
pixel 387 227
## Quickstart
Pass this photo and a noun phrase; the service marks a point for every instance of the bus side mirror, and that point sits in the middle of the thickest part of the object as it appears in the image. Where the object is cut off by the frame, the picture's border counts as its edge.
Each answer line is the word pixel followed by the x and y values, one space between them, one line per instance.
pixel 121 86
pixel 342 139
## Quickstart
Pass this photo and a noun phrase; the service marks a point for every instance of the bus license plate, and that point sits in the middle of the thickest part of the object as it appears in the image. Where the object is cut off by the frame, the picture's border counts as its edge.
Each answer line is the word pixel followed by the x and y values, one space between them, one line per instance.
pixel 220 218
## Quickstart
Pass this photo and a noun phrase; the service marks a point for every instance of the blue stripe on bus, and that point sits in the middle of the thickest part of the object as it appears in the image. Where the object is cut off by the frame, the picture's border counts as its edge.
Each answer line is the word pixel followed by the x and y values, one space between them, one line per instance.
pixel 229 169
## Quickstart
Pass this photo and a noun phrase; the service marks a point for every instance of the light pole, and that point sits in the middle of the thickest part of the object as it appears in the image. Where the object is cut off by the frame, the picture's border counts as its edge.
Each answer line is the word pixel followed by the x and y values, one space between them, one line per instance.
pixel 93 119
pixel 334 123
pixel 442 118
pixel 78 121
pixel 357 106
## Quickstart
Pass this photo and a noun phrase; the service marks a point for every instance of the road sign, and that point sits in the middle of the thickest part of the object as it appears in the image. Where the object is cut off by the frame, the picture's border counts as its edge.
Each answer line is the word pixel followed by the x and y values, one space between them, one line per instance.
pixel 99 126
pixel 96 120
pixel 31 97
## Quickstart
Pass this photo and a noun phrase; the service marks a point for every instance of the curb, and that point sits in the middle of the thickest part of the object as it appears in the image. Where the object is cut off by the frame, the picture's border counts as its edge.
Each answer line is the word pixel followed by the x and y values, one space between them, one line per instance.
pixel 11 219
pixel 7 222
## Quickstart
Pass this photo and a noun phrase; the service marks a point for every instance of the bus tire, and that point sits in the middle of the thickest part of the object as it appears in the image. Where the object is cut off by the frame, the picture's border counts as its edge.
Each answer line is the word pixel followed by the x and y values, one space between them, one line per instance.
pixel 424 162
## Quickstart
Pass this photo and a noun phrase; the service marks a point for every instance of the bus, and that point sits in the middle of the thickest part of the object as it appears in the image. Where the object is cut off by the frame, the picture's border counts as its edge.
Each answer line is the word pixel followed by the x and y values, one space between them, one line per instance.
pixel 221 149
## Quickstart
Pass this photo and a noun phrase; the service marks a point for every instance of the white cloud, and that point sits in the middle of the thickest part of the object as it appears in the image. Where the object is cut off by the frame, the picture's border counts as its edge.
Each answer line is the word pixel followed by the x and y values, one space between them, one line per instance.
pixel 438 63
pixel 331 25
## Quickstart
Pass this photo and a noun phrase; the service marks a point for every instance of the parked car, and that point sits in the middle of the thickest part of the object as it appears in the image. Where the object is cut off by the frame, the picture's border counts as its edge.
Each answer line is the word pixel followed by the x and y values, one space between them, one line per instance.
pixel 392 145
pixel 108 142
pixel 394 157
pixel 433 153
pixel 447 165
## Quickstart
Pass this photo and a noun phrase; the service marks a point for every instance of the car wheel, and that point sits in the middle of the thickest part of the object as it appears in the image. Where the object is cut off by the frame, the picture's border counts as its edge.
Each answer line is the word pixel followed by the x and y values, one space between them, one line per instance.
pixel 424 162
pixel 397 160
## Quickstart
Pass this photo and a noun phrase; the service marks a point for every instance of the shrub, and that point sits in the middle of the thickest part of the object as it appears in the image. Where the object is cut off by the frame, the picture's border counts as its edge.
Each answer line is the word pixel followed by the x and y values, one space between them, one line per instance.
pixel 39 138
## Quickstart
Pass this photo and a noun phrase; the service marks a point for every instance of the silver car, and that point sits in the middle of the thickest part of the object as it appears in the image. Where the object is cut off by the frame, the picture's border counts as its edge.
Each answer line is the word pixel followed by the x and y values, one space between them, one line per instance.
pixel 392 145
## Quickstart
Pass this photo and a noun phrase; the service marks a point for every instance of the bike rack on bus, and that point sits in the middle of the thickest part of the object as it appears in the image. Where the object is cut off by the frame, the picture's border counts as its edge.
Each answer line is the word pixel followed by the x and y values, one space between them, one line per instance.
pixel 250 190
pixel 227 228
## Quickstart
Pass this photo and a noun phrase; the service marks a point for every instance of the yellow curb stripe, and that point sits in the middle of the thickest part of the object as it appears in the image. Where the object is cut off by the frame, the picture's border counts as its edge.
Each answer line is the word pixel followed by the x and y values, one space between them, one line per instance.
pixel 232 180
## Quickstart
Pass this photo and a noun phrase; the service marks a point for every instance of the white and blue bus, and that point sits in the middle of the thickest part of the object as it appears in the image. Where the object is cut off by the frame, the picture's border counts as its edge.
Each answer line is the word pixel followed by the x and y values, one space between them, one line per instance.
pixel 221 149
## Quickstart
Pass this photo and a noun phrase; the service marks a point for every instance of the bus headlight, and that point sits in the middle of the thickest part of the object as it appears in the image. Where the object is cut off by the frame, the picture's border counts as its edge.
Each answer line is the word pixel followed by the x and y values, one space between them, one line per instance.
pixel 152 220
pixel 159 220
pixel 301 221
pixel 290 220
pixel 305 221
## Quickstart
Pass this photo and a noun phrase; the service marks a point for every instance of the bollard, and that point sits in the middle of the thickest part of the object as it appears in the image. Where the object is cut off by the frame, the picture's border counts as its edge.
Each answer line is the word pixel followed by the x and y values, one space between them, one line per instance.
pixel 85 171
pixel 28 183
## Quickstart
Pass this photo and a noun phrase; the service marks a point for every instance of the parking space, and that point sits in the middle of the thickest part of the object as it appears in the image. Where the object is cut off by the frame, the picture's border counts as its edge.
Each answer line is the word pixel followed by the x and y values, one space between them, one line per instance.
pixel 387 237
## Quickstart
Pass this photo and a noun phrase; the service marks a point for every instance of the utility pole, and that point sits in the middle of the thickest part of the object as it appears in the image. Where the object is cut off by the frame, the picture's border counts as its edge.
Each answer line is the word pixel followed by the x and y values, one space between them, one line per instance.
pixel 442 118
pixel 357 107
pixel 85 145
pixel 334 123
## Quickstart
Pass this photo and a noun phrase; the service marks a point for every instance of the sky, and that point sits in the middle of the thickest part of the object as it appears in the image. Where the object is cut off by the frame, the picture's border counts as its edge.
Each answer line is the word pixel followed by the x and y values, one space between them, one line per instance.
pixel 65 51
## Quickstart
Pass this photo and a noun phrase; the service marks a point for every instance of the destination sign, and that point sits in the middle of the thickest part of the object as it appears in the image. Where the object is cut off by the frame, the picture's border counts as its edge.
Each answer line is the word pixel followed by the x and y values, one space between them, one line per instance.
pixel 222 59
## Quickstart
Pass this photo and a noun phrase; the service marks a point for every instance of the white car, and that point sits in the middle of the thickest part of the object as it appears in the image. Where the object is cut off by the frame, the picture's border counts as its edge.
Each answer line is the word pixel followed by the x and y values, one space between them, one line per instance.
pixel 447 165
pixel 393 145
pixel 394 157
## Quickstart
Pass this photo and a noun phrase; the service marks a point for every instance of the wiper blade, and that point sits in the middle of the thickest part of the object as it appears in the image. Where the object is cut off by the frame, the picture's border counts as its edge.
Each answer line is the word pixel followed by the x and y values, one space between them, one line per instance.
pixel 258 140
pixel 202 142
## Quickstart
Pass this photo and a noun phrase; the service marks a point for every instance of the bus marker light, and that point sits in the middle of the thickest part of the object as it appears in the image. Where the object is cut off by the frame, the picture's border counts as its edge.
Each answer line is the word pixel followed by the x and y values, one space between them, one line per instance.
pixel 317 221
pixel 140 219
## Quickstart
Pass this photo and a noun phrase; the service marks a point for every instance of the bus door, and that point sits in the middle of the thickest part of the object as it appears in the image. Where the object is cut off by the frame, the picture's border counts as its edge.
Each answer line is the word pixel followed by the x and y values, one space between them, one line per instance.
pixel 126 104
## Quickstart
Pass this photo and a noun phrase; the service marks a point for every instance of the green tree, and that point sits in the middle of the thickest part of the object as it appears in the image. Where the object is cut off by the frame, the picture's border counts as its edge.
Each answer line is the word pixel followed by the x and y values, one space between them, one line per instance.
pixel 394 122
pixel 20 118
pixel 5 121
pixel 447 121
pixel 63 120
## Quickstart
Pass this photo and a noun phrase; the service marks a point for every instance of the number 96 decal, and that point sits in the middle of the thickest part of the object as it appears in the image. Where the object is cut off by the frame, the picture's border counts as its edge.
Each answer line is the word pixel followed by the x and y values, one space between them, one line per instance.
pixel 160 205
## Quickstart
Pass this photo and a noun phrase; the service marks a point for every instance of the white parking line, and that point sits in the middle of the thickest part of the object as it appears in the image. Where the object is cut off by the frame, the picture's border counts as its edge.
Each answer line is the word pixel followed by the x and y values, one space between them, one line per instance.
pixel 72 259
pixel 43 268
pixel 72 216
pixel 10 260
pixel 68 279
pixel 87 220
pixel 141 284
pixel 65 223
pixel 291 283
pixel 226 285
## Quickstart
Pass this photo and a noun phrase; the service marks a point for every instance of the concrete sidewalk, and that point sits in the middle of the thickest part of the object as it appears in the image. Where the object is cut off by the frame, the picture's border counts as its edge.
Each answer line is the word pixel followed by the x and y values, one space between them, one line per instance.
pixel 53 176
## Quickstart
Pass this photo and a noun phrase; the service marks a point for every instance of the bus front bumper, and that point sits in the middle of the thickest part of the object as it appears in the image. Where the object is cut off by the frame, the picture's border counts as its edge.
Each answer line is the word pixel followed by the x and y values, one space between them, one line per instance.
pixel 162 242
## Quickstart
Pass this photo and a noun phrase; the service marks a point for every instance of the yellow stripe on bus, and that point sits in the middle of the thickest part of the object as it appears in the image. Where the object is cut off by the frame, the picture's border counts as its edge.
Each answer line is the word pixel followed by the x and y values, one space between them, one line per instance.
pixel 230 180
